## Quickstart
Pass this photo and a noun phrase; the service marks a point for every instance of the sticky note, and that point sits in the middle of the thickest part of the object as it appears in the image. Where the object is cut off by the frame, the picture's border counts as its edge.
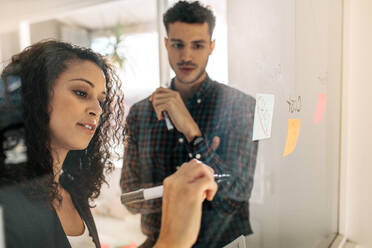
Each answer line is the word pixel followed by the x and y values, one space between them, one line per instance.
pixel 320 107
pixel 263 116
pixel 131 245
pixel 294 127
pixel 237 243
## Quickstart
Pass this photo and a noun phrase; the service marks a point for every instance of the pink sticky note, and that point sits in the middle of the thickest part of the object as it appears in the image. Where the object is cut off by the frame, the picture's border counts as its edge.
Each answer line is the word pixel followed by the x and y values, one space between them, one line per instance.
pixel 320 107
pixel 131 245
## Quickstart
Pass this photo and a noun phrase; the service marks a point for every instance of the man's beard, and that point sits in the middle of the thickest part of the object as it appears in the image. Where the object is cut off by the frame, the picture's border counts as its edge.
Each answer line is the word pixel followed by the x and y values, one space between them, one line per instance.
pixel 199 75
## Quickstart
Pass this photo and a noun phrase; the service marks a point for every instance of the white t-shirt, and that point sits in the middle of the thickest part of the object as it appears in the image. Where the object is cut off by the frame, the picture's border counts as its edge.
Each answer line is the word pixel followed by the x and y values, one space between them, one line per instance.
pixel 83 240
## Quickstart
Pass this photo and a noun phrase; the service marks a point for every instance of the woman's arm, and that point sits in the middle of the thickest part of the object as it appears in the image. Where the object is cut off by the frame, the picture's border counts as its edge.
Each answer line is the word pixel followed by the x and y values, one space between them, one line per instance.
pixel 184 193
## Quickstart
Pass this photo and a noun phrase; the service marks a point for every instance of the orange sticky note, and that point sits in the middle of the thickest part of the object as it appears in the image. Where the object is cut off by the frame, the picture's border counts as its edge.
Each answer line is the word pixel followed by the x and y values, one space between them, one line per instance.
pixel 294 127
pixel 320 107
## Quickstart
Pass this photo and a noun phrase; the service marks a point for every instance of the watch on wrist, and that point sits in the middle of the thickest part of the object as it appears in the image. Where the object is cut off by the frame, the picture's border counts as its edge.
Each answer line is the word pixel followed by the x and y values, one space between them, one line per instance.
pixel 197 140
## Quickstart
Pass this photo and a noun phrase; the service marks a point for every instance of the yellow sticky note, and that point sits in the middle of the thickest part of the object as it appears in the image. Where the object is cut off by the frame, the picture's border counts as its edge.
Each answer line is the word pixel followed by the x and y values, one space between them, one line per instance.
pixel 294 126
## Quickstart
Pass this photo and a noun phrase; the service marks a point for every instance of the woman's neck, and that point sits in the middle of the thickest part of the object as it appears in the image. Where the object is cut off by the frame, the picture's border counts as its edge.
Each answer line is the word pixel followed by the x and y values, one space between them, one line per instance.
pixel 59 156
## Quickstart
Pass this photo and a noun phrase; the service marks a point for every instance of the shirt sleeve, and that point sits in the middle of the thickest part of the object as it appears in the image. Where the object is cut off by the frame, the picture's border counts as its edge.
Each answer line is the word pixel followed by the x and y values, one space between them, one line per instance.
pixel 236 155
pixel 132 170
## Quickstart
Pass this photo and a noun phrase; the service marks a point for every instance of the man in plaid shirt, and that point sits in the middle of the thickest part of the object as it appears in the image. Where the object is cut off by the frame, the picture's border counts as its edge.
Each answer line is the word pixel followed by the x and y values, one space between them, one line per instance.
pixel 212 123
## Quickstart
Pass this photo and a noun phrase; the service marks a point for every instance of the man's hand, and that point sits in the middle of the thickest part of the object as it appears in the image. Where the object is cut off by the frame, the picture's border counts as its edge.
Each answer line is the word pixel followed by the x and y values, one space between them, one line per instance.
pixel 164 99
pixel 184 193
pixel 215 143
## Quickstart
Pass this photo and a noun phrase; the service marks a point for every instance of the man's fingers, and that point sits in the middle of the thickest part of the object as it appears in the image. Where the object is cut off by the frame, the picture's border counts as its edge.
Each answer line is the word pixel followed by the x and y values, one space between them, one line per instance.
pixel 215 143
pixel 161 103
pixel 160 91
pixel 165 95
pixel 158 102
pixel 159 111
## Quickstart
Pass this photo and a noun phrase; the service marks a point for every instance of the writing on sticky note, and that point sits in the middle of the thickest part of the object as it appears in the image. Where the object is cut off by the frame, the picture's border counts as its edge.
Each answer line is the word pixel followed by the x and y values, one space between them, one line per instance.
pixel 320 107
pixel 294 127
pixel 263 116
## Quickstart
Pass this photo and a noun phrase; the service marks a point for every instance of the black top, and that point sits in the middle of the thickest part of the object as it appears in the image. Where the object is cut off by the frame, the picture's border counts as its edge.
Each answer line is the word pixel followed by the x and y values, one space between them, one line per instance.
pixel 30 223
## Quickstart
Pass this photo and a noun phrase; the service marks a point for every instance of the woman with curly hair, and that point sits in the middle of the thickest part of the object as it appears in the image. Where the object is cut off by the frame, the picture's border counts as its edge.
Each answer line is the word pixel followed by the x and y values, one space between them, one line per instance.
pixel 73 113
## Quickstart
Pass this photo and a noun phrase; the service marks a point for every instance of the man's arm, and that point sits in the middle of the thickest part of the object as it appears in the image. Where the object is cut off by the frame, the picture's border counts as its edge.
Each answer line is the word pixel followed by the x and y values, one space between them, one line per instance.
pixel 236 155
pixel 237 152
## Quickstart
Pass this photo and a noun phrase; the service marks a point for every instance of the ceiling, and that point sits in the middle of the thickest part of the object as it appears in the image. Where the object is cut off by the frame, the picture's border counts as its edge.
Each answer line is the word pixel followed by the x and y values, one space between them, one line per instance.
pixel 125 12
pixel 90 14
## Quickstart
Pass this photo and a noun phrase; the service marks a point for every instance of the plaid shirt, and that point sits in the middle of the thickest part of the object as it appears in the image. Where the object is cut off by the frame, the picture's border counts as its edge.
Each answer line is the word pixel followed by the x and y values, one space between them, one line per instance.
pixel 153 153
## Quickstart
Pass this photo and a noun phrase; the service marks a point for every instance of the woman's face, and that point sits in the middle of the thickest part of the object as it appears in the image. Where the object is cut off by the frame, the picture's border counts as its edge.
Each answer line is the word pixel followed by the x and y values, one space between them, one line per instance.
pixel 75 105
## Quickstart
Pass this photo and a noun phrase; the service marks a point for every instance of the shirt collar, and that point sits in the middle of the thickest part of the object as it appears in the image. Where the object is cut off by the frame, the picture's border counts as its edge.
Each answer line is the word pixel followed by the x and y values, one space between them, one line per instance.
pixel 201 91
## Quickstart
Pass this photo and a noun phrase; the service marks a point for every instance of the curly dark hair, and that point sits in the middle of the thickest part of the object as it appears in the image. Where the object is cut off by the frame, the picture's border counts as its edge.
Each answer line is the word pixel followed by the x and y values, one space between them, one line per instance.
pixel 38 67
pixel 189 12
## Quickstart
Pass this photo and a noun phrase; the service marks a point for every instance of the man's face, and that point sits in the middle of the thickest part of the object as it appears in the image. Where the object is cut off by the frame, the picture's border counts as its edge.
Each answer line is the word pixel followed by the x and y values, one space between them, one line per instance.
pixel 189 47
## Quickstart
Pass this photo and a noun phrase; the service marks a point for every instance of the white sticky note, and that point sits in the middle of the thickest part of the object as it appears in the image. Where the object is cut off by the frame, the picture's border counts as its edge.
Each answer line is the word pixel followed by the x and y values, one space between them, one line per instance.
pixel 263 116
pixel 237 243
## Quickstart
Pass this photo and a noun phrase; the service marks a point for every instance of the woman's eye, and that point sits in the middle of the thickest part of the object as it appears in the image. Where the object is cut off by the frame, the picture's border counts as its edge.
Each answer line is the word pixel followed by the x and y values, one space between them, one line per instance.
pixel 80 93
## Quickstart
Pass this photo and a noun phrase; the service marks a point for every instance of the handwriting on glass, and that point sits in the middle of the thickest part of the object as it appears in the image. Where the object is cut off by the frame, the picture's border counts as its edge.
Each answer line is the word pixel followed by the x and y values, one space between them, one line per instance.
pixel 294 104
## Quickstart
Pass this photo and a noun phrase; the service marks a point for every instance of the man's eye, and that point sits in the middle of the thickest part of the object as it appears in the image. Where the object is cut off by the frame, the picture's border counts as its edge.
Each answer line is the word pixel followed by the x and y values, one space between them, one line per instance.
pixel 177 45
pixel 80 93
pixel 198 46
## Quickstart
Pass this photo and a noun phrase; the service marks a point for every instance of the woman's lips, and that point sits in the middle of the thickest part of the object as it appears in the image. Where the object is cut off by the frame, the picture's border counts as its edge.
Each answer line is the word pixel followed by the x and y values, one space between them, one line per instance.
pixel 90 128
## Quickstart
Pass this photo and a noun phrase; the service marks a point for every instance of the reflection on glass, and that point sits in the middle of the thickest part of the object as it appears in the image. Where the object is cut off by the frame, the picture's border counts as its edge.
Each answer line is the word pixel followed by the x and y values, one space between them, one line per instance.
pixel 212 122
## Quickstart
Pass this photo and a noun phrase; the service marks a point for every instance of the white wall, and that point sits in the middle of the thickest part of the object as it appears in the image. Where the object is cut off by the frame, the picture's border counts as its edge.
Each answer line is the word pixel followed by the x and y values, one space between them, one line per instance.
pixel 45 30
pixel 9 46
pixel 12 12
pixel 356 190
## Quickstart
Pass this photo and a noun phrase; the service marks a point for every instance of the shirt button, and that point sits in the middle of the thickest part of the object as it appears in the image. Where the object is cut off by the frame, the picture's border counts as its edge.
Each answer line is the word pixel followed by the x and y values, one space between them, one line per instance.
pixel 198 101
pixel 190 155
pixel 198 156
pixel 180 140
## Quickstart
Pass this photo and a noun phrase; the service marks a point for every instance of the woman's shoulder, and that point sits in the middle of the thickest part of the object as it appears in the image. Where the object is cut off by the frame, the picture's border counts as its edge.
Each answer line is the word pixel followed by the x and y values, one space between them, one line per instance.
pixel 12 195
pixel 28 221
pixel 19 207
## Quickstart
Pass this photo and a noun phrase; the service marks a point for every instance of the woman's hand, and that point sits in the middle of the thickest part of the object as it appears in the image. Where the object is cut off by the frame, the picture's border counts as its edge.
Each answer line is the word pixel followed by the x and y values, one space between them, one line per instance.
pixel 184 193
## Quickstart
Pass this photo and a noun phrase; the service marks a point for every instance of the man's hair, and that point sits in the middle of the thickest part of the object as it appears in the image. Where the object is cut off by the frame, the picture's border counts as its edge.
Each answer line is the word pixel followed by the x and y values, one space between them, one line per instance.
pixel 189 12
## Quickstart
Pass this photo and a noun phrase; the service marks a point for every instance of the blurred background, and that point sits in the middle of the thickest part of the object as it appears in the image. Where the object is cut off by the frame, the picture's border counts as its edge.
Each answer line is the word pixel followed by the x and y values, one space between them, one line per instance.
pixel 286 47
pixel 131 34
